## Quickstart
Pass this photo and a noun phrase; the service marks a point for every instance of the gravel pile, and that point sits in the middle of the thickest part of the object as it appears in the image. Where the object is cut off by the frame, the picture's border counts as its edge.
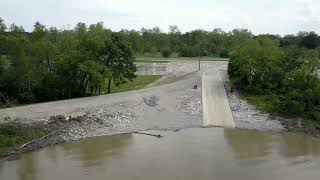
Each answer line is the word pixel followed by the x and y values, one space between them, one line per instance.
pixel 190 104
pixel 247 116
pixel 116 118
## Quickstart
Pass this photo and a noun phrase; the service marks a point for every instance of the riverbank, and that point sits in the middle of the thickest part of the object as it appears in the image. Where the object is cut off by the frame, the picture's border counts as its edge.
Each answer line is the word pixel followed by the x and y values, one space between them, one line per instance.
pixel 16 133
pixel 248 116
pixel 125 117
pixel 58 129
pixel 17 137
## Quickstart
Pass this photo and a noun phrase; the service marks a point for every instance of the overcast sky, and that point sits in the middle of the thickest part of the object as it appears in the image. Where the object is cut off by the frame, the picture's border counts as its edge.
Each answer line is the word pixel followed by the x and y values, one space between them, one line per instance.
pixel 259 16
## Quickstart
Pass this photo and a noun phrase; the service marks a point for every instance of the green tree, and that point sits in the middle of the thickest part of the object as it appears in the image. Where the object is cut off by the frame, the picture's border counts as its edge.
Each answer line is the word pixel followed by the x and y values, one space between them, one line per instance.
pixel 166 53
pixel 119 58
pixel 3 26
pixel 310 40
pixel 256 65
pixel 39 31
pixel 286 77
pixel 15 28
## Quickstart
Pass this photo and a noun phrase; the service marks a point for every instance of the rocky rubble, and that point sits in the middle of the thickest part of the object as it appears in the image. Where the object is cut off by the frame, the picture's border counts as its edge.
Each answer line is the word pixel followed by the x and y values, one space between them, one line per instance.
pixel 190 104
pixel 110 119
pixel 248 117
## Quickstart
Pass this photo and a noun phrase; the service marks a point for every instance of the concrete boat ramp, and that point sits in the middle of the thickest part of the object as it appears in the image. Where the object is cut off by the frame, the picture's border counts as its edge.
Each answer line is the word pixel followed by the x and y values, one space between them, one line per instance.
pixel 216 108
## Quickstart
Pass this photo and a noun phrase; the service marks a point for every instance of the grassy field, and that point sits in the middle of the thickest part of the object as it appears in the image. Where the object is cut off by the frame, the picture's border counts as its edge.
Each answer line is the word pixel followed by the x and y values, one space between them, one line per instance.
pixel 13 134
pixel 138 83
pixel 263 103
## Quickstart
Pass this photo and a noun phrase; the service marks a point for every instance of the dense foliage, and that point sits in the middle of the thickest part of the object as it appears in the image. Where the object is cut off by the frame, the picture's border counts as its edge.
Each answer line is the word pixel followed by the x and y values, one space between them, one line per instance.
pixel 191 44
pixel 49 64
pixel 282 71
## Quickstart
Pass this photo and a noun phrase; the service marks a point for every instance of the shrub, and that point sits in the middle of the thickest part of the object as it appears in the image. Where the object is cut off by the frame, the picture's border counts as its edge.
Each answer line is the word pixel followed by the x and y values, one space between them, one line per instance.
pixel 189 51
pixel 166 53
pixel 15 133
pixel 224 53
pixel 26 97
pixel 315 114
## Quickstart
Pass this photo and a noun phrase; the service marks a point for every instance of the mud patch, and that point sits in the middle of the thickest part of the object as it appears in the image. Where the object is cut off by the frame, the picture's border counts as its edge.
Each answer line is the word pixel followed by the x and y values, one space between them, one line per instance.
pixel 151 101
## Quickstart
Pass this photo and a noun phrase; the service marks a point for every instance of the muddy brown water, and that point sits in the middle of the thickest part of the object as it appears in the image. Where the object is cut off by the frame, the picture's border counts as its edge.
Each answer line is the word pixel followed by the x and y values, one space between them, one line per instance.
pixel 190 154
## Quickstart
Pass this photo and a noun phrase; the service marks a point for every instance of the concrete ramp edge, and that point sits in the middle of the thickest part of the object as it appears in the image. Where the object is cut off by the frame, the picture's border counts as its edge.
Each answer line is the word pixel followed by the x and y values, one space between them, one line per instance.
pixel 216 108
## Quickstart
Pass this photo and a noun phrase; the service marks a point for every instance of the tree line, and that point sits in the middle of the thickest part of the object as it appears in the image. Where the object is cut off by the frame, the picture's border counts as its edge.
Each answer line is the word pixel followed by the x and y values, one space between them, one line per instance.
pixel 196 43
pixel 217 42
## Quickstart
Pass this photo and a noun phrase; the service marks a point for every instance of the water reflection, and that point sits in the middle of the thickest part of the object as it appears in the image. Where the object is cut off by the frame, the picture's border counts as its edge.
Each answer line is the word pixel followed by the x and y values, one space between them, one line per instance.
pixel 52 154
pixel 248 144
pixel 292 146
pixel 27 168
pixel 251 144
pixel 1 167
pixel 94 152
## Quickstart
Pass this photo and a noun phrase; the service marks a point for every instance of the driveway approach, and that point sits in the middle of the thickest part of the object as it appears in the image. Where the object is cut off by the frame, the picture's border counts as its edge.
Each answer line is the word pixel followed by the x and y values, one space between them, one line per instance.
pixel 176 104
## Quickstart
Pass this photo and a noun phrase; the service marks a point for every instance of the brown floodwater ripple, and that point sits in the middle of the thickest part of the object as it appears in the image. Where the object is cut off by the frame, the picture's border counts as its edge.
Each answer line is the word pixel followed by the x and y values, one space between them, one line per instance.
pixel 213 153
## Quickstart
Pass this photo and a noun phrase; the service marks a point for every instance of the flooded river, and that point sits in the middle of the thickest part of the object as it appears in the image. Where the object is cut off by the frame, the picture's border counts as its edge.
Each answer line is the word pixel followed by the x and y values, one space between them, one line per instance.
pixel 190 154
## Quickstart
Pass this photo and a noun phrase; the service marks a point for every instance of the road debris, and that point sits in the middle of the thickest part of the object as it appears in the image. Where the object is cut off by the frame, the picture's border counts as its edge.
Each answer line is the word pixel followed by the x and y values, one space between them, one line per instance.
pixel 154 135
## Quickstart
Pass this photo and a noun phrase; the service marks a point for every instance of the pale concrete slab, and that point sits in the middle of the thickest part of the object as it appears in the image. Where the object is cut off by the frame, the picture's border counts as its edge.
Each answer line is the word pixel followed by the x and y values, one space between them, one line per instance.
pixel 216 108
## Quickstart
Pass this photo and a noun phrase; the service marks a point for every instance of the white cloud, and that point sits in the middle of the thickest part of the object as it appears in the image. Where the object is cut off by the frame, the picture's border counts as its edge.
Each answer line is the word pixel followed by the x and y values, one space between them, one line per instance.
pixel 273 16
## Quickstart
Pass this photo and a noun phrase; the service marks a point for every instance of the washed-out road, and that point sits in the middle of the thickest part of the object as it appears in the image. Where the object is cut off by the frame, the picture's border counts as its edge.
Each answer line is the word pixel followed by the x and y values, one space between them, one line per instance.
pixel 171 105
